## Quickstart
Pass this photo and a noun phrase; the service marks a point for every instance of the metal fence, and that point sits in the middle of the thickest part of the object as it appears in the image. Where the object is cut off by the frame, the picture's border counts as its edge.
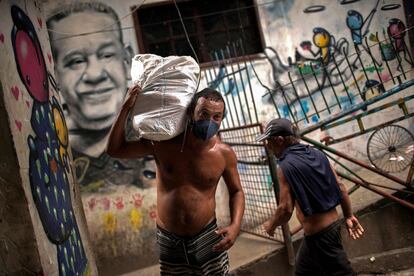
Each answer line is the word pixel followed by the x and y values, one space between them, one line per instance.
pixel 256 178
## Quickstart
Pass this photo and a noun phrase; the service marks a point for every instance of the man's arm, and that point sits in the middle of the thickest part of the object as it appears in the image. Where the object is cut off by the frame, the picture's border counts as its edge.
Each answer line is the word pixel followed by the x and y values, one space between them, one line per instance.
pixel 355 229
pixel 117 145
pixel 285 208
pixel 236 200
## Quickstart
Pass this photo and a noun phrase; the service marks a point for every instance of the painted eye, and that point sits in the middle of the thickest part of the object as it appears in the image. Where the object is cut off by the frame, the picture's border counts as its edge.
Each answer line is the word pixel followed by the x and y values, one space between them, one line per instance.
pixel 149 174
pixel 28 80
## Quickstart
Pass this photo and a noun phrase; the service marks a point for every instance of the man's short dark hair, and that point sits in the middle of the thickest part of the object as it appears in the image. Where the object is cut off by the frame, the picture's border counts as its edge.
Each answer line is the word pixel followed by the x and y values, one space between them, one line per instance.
pixel 207 93
pixel 64 11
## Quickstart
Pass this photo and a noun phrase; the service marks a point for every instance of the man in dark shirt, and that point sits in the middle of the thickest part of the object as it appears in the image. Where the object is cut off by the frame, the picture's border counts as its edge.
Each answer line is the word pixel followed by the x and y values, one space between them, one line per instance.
pixel 308 182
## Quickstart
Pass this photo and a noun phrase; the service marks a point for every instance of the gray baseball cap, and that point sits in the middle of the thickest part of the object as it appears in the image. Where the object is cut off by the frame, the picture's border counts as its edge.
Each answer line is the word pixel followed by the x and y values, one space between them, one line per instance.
pixel 276 127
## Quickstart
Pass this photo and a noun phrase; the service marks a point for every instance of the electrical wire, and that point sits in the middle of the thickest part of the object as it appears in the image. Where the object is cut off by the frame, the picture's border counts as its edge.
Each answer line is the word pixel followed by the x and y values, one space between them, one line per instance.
pixel 166 21
pixel 104 29
pixel 185 32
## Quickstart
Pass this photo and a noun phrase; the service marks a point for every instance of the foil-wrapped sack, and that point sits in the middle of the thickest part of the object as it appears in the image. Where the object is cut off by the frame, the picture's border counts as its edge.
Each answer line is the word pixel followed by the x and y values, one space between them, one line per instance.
pixel 167 87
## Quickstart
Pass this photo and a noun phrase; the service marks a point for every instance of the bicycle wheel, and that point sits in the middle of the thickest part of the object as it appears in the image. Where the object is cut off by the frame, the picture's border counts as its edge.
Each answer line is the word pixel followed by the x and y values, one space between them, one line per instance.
pixel 391 148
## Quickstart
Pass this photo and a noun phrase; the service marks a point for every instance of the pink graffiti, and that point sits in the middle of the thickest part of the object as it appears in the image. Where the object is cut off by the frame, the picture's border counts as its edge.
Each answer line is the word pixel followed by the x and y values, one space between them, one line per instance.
pixel 153 211
pixel 18 124
pixel 106 203
pixel 92 203
pixel 16 92
pixel 138 199
pixel 119 203
pixel 39 20
pixel 385 77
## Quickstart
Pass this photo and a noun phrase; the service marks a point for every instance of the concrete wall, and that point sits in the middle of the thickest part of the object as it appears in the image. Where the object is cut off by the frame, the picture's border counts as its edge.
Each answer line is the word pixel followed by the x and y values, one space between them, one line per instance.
pixel 119 196
pixel 44 202
pixel 18 250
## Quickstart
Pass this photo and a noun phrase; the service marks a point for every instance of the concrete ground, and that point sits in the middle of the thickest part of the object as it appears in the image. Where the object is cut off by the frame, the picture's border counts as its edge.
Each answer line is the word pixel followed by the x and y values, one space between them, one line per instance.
pixel 408 272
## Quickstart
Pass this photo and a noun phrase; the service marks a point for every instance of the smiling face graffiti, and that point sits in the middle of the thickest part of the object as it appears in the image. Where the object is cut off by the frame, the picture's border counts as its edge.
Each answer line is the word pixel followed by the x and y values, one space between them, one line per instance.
pixel 91 69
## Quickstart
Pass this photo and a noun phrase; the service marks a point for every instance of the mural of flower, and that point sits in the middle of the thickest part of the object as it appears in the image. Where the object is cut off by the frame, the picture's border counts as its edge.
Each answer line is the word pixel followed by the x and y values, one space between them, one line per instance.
pixel 110 223
pixel 135 218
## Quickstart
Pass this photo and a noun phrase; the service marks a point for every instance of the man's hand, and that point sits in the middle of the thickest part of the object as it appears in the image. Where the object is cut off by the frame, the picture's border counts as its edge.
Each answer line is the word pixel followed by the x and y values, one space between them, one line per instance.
pixel 269 228
pixel 230 234
pixel 132 96
pixel 355 229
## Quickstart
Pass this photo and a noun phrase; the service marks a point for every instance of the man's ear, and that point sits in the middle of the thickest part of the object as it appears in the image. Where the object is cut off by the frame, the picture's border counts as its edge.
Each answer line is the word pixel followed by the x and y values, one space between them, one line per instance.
pixel 129 54
pixel 280 140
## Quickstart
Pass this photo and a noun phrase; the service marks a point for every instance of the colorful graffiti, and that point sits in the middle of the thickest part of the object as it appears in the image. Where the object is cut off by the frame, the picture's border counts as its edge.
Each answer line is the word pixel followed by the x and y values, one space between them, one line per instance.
pixel 130 203
pixel 48 161
pixel 322 74
pixel 397 32
pixel 123 224
pixel 359 28
pixel 92 72
pixel 324 68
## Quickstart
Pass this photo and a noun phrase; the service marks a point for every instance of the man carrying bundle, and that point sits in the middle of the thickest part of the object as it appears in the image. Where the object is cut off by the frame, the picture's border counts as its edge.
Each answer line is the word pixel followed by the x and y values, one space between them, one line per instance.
pixel 189 167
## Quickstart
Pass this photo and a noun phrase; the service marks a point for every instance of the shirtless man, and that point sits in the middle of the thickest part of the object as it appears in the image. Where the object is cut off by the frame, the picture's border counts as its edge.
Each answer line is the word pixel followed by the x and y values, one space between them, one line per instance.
pixel 187 234
pixel 309 183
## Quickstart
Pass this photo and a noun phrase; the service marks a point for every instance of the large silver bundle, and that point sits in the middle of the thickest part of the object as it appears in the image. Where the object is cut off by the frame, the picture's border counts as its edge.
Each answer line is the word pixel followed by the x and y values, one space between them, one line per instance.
pixel 168 85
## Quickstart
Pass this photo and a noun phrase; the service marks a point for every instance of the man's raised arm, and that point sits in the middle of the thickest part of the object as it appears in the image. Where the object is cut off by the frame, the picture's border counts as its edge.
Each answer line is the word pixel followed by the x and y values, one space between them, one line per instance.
pixel 117 145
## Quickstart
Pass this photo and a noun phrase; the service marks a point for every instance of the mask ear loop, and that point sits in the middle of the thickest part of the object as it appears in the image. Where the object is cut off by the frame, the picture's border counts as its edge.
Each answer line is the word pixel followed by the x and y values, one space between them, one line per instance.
pixel 185 136
pixel 188 119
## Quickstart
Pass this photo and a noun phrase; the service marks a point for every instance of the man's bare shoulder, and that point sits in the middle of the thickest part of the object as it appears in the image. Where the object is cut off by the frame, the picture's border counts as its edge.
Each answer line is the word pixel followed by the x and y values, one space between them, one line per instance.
pixel 226 150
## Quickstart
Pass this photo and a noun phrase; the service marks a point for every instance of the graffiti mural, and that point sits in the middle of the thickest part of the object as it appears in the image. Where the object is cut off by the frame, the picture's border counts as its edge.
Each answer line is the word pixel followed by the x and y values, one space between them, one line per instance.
pixel 48 162
pixel 396 31
pixel 317 69
pixel 92 73
pixel 92 66
pixel 359 28
pixel 324 72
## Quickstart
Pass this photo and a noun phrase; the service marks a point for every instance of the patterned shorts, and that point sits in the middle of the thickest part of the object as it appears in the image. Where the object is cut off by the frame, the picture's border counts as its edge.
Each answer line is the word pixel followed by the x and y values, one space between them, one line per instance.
pixel 192 256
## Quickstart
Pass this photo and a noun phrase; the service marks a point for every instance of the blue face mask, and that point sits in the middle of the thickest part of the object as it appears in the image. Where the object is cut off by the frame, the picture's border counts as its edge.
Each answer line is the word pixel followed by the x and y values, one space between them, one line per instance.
pixel 205 129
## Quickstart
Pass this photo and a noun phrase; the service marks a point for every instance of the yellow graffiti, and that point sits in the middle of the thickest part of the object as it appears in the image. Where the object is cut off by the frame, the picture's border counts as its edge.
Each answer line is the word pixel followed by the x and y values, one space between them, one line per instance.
pixel 371 93
pixel 135 217
pixel 110 222
pixel 60 126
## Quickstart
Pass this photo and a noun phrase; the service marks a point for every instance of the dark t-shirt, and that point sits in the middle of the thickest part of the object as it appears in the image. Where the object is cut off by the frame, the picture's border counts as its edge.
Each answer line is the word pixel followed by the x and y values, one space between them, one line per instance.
pixel 310 178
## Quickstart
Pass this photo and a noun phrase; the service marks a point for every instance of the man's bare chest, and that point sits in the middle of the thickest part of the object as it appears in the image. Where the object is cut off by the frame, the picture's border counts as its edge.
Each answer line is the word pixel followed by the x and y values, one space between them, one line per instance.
pixel 205 169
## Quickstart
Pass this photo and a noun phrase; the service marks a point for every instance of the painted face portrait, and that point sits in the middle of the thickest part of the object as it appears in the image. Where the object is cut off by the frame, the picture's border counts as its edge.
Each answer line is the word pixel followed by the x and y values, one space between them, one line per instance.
pixel 91 69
